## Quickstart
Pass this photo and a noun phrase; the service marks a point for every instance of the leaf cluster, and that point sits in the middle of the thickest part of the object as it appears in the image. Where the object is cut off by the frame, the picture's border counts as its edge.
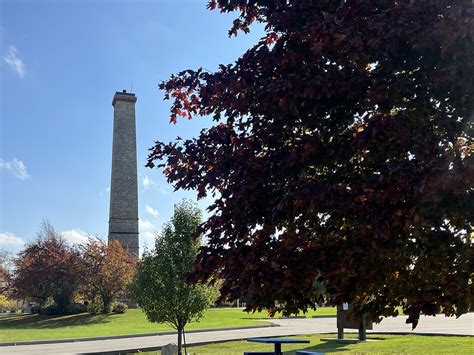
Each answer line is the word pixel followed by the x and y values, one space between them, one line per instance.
pixel 108 269
pixel 341 156
pixel 49 270
pixel 160 285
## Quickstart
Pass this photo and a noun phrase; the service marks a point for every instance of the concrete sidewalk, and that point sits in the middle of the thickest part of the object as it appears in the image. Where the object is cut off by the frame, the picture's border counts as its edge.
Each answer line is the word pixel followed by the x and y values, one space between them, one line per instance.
pixel 427 325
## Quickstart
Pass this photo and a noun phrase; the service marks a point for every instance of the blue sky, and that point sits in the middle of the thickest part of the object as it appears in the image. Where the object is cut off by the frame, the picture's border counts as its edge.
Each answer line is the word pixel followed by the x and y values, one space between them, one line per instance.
pixel 61 62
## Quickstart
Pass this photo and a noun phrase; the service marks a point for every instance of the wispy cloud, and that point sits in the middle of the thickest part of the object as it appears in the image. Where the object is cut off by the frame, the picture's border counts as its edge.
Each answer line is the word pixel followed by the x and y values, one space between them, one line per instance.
pixel 16 167
pixel 11 242
pixel 145 225
pixel 149 183
pixel 152 211
pixel 75 236
pixel 14 62
pixel 146 182
pixel 147 230
pixel 106 190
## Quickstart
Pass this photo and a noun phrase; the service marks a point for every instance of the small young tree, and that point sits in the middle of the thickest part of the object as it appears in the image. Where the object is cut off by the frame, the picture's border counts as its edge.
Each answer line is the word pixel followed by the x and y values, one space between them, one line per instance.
pixel 47 269
pixel 108 270
pixel 160 285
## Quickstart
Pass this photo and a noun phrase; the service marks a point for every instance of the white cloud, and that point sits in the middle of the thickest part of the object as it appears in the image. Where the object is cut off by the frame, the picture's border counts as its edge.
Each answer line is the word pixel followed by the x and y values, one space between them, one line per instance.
pixel 145 225
pixel 107 189
pixel 152 211
pixel 14 62
pixel 75 236
pixel 148 237
pixel 11 242
pixel 146 182
pixel 16 167
pixel 147 230
pixel 10 239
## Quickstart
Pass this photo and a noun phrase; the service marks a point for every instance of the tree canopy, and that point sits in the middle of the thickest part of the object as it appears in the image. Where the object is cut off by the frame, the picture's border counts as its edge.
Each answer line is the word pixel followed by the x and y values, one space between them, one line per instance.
pixel 48 269
pixel 341 156
pixel 108 269
pixel 62 278
pixel 160 285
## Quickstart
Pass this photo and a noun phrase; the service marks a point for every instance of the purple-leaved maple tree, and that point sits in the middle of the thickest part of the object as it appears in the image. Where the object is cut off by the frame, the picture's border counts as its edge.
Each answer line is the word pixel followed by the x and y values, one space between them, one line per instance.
pixel 340 161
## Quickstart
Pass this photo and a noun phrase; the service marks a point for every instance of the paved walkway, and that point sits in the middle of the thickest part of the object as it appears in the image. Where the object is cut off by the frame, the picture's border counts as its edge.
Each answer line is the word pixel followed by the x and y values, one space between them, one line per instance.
pixel 438 325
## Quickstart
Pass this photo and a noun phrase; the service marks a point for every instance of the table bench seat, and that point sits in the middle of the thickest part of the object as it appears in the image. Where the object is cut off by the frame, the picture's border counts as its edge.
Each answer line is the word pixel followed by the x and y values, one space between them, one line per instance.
pixel 308 352
pixel 258 352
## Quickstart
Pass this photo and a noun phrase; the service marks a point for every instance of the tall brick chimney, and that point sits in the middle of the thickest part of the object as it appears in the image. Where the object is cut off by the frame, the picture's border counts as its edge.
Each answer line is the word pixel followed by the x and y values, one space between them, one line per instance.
pixel 123 217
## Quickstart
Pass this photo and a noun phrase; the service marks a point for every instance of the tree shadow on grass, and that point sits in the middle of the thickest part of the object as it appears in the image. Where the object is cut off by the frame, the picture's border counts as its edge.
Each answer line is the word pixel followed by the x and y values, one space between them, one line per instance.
pixel 28 321
pixel 326 347
pixel 329 346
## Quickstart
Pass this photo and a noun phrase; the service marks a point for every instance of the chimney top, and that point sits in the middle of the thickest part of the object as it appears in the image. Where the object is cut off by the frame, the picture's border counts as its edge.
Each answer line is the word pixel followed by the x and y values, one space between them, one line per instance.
pixel 124 96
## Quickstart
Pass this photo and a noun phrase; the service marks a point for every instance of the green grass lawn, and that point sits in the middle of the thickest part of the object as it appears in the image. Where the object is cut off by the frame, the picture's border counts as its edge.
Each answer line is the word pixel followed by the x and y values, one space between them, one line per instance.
pixel 380 344
pixel 20 327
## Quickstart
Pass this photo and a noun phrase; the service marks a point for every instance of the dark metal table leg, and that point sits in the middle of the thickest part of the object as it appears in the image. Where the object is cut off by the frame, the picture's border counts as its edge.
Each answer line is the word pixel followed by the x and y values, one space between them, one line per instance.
pixel 278 349
pixel 362 333
pixel 340 333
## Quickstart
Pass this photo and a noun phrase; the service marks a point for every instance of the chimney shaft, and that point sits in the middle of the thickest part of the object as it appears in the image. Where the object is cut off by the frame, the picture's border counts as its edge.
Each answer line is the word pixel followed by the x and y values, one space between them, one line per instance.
pixel 123 217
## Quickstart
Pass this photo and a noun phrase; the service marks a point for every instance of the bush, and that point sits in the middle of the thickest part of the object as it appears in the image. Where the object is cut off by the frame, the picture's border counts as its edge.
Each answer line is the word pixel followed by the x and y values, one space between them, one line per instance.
pixel 6 304
pixel 35 310
pixel 119 308
pixel 77 308
pixel 94 307
pixel 52 311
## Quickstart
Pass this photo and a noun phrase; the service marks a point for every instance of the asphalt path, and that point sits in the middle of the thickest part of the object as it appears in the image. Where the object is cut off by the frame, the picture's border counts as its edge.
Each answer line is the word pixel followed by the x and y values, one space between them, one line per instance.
pixel 464 325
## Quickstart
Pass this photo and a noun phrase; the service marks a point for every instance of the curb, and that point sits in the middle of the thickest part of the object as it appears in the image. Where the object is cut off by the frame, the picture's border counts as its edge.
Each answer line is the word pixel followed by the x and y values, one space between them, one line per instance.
pixel 78 340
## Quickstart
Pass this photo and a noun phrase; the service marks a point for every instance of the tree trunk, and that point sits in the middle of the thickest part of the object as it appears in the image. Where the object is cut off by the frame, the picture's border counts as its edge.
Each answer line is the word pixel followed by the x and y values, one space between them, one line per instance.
pixel 106 303
pixel 180 338
pixel 63 303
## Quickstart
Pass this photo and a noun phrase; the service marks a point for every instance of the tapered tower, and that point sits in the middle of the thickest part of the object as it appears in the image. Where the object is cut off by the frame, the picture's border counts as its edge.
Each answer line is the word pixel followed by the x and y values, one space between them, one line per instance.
pixel 123 217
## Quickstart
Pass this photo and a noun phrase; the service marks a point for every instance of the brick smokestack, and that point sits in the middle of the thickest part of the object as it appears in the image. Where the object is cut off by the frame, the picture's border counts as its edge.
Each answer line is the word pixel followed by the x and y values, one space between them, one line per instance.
pixel 123 217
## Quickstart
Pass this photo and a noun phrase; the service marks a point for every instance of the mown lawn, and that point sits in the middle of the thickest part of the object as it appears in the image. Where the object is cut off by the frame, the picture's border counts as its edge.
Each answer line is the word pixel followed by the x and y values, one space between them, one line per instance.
pixel 377 344
pixel 34 327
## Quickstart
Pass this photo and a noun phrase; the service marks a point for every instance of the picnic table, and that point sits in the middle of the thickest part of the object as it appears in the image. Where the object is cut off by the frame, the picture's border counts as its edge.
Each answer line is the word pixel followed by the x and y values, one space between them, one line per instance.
pixel 278 342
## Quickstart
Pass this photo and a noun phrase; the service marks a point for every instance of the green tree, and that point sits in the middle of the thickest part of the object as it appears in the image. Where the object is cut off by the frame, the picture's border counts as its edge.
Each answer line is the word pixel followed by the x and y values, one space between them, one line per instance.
pixel 160 285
